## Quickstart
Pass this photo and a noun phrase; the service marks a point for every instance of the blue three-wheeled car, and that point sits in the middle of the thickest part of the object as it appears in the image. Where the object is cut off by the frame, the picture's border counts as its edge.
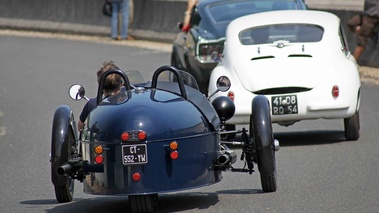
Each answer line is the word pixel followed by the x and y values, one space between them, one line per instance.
pixel 155 137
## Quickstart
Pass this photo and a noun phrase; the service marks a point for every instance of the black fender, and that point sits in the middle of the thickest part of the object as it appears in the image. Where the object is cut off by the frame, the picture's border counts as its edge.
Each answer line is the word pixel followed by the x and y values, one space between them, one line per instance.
pixel 63 125
pixel 261 129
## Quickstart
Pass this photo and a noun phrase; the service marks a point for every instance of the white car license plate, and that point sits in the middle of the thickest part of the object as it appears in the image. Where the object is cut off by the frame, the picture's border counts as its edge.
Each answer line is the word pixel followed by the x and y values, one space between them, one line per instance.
pixel 134 154
pixel 284 105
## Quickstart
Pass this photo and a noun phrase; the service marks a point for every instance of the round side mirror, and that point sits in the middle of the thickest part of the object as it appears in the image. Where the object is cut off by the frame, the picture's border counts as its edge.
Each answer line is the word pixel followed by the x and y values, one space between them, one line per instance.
pixel 76 92
pixel 223 83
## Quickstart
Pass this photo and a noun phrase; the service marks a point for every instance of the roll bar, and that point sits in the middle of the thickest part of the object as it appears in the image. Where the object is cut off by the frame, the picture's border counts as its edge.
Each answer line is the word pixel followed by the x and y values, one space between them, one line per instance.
pixel 176 72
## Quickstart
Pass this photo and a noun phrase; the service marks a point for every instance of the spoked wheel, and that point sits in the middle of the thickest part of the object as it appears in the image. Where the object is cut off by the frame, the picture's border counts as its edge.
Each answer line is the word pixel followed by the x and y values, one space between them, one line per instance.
pixel 262 135
pixel 352 126
pixel 143 203
pixel 62 143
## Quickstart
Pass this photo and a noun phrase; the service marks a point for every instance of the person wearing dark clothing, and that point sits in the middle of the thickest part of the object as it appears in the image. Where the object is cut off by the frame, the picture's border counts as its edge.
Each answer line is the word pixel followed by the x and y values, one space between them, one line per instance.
pixel 112 86
pixel 88 107
pixel 365 25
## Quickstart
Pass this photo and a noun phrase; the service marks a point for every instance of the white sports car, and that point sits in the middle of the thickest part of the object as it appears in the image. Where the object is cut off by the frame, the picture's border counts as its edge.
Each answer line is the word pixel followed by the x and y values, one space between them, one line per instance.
pixel 299 60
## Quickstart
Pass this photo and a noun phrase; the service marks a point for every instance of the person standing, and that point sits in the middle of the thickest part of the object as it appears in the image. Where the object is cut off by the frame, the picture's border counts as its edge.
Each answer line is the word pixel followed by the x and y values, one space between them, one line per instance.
pixel 365 26
pixel 187 15
pixel 120 20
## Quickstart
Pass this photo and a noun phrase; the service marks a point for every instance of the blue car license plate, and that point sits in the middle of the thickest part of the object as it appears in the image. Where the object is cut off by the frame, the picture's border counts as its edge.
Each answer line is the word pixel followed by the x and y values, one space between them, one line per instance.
pixel 134 154
pixel 284 105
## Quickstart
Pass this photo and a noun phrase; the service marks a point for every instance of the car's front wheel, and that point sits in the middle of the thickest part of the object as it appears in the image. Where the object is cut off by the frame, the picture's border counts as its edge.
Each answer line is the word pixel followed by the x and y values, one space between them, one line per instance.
pixel 352 126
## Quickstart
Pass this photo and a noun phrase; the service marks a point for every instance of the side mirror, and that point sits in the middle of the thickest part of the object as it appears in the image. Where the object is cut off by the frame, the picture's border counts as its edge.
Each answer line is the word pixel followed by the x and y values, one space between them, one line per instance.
pixel 77 92
pixel 223 84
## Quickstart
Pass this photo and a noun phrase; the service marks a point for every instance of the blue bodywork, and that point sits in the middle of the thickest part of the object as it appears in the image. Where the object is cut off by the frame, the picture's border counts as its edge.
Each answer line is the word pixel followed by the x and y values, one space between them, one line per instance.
pixel 156 137
pixel 165 116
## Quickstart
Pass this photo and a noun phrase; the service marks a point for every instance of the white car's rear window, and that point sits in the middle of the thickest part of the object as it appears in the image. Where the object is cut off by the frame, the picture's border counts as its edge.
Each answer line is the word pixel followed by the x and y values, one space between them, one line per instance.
pixel 283 32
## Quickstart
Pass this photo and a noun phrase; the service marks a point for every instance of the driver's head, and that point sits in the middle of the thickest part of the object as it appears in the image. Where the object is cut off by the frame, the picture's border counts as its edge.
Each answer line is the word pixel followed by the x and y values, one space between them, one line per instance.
pixel 113 82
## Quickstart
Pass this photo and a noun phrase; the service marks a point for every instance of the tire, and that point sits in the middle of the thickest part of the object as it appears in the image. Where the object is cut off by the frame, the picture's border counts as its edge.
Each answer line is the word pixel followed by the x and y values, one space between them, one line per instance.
pixel 228 137
pixel 352 126
pixel 262 135
pixel 63 139
pixel 65 193
pixel 143 203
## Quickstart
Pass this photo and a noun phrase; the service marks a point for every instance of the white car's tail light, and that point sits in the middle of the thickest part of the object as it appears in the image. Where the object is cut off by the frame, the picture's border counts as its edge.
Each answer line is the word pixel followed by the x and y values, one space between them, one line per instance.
pixel 231 95
pixel 335 91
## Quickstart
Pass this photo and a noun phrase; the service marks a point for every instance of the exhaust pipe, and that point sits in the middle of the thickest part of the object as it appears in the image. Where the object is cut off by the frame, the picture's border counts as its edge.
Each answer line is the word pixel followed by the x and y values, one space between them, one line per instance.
pixel 70 167
pixel 77 165
pixel 227 158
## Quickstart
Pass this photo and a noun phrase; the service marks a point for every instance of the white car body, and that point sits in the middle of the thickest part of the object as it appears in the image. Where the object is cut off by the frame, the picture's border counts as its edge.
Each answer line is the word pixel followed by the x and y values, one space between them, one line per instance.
pixel 289 68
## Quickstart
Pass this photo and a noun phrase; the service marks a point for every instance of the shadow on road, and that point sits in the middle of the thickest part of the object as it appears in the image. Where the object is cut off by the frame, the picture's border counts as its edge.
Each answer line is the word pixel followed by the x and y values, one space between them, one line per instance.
pixel 310 137
pixel 174 202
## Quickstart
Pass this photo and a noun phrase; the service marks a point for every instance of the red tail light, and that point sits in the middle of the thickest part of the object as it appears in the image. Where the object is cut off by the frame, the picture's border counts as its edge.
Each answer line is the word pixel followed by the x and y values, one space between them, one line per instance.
pixel 99 159
pixel 335 91
pixel 231 95
pixel 141 135
pixel 125 136
pixel 174 155
pixel 136 176
pixel 134 135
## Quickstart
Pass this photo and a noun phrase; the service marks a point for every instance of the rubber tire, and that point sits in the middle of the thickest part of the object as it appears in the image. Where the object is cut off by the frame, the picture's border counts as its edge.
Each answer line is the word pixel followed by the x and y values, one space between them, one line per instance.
pixel 262 133
pixel 65 193
pixel 352 126
pixel 143 203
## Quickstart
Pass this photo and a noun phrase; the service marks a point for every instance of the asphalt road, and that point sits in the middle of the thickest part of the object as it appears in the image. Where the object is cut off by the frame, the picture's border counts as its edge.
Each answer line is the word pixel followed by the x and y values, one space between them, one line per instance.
pixel 317 170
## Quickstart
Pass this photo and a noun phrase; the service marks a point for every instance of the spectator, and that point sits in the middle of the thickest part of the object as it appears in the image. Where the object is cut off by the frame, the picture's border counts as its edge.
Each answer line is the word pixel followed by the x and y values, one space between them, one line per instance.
pixel 112 85
pixel 365 25
pixel 120 25
pixel 187 14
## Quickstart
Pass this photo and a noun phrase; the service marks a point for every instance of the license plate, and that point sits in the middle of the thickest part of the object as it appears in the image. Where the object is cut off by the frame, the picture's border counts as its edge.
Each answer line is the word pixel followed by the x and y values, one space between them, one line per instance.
pixel 284 105
pixel 134 154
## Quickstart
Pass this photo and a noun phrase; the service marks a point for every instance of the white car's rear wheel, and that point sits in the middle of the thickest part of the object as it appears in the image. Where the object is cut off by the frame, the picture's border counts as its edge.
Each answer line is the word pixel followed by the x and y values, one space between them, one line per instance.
pixel 352 126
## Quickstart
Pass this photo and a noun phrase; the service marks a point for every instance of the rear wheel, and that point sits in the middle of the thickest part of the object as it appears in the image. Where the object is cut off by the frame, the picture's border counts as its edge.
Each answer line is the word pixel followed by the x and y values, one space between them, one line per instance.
pixel 262 135
pixel 65 193
pixel 352 126
pixel 63 144
pixel 143 203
